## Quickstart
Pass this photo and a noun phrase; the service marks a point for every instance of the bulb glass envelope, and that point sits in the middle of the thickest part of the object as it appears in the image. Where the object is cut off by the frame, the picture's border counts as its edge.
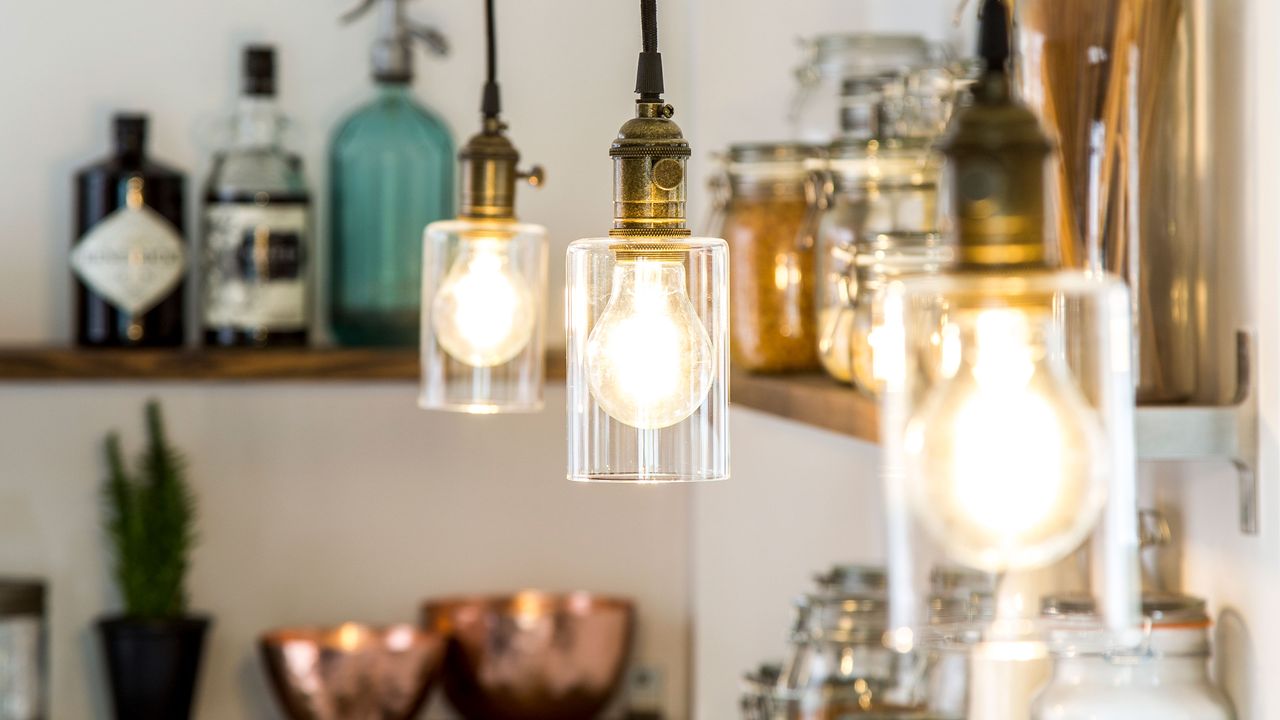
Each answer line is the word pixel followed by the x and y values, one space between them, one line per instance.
pixel 1007 422
pixel 648 360
pixel 483 316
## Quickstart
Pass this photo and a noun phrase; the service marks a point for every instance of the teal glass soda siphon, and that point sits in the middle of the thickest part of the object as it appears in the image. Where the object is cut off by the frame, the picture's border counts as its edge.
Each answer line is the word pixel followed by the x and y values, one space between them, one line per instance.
pixel 391 174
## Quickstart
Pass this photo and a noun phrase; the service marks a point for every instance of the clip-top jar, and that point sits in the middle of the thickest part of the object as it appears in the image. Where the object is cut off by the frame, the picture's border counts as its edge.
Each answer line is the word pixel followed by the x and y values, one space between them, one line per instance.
pixel 873 195
pixel 842 668
pixel 763 199
pixel 879 259
pixel 1167 679
pixel 820 110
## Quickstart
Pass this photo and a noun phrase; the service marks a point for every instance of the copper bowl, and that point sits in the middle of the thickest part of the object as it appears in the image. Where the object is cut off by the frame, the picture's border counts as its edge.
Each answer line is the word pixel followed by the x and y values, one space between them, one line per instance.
pixel 352 671
pixel 532 655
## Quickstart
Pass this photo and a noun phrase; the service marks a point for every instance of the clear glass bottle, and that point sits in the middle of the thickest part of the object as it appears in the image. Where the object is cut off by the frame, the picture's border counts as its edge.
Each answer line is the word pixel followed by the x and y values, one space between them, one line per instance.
pixel 772 325
pixel 1166 679
pixel 258 246
pixel 391 174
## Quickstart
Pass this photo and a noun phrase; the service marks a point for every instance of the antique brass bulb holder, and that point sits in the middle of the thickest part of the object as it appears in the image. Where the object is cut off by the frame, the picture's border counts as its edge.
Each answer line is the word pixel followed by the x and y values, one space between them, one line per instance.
pixel 488 165
pixel 650 176
pixel 997 152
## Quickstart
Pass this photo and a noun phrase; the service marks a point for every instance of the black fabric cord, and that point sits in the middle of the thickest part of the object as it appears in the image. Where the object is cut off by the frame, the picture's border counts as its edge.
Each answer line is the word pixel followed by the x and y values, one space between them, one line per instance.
pixel 649 68
pixel 993 37
pixel 491 104
pixel 649 25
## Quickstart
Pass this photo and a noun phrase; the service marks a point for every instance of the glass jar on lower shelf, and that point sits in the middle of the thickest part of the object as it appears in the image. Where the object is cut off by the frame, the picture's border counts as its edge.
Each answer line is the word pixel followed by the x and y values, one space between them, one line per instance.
pixel 1168 679
pixel 878 260
pixel 839 665
pixel 772 293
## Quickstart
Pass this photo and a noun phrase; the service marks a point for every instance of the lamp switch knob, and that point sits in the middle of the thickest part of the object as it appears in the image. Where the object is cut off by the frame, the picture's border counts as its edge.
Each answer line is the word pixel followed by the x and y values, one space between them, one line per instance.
pixel 535 176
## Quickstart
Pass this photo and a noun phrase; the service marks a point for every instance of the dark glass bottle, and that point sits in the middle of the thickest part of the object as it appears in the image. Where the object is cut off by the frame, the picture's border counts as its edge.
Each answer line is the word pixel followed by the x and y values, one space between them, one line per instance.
pixel 257 244
pixel 129 258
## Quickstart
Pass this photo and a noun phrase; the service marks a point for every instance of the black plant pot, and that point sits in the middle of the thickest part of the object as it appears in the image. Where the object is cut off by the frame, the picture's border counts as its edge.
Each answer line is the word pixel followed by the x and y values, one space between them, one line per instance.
pixel 153 665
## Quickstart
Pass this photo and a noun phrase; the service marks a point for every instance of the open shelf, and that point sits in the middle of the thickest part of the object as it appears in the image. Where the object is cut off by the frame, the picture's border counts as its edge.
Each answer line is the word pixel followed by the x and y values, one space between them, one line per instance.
pixel 814 400
pixel 249 365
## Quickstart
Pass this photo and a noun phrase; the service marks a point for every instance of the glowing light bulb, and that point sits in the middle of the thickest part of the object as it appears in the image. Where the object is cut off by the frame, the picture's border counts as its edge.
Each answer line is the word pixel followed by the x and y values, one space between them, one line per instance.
pixel 484 313
pixel 1005 460
pixel 649 361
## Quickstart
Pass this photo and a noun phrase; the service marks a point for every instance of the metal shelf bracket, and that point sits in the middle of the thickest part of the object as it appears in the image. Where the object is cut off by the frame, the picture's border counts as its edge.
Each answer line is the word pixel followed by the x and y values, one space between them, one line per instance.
pixel 1228 432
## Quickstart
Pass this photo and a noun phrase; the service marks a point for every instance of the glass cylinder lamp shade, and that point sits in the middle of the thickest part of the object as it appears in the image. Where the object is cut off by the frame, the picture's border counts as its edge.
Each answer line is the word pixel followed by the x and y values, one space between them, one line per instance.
pixel 648 385
pixel 1008 411
pixel 484 284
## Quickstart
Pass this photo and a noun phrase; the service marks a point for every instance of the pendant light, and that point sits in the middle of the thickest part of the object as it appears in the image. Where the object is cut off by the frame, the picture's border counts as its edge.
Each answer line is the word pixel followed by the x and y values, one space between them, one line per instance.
pixel 648 363
pixel 1010 416
pixel 484 280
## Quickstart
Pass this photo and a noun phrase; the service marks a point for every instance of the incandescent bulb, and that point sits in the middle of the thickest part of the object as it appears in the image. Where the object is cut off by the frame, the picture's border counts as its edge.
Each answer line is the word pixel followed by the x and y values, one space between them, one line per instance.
pixel 649 361
pixel 484 313
pixel 1005 459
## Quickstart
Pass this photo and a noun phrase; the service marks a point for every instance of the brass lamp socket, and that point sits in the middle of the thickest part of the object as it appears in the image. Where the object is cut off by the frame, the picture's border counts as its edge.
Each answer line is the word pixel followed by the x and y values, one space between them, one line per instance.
pixel 997 152
pixel 489 174
pixel 650 183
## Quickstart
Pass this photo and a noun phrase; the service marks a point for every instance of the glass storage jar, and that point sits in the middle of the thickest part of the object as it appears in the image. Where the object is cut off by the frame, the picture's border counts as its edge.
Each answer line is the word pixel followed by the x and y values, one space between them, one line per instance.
pixel 880 259
pixel 1168 678
pixel 763 203
pixel 820 106
pixel 959 600
pixel 840 667
pixel 881 188
pixel 757 686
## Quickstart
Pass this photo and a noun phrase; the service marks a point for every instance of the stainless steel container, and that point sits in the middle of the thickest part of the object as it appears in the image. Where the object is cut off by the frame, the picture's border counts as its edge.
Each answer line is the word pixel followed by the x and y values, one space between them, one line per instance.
pixel 22 650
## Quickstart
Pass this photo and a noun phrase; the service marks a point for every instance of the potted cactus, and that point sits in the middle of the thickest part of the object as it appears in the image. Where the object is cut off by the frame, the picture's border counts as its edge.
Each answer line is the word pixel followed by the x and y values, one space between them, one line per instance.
pixel 153 648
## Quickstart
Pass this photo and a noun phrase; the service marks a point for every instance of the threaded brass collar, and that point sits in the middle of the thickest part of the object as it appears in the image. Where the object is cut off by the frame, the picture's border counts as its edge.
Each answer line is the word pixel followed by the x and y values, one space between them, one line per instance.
pixel 650 184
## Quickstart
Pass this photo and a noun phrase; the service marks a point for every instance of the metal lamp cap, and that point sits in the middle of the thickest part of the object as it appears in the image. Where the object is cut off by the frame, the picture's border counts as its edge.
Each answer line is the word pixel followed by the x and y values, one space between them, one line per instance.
pixel 997 151
pixel 488 172
pixel 650 178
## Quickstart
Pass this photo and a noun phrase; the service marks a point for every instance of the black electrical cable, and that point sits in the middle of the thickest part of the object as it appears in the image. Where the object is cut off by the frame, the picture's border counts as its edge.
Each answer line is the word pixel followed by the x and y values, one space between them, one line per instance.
pixel 993 35
pixel 649 25
pixel 491 104
pixel 649 68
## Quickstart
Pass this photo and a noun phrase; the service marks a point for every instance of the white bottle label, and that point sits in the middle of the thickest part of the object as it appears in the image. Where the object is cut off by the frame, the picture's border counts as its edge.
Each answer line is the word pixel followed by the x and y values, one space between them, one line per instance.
pixel 256 259
pixel 133 258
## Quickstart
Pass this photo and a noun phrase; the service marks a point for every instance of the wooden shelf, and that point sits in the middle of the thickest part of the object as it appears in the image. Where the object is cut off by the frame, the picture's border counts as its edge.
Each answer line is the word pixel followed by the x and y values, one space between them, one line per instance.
pixel 810 399
pixel 814 400
pixel 274 365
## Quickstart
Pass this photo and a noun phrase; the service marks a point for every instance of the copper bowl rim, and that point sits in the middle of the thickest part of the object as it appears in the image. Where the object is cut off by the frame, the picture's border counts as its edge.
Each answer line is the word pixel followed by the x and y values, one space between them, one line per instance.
pixel 324 635
pixel 590 600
